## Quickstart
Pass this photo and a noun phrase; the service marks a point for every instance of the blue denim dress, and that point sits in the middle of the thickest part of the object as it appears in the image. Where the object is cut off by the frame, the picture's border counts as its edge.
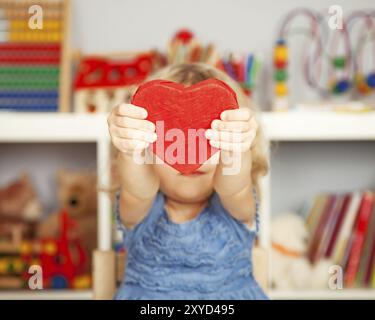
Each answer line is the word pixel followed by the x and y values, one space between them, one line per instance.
pixel 207 258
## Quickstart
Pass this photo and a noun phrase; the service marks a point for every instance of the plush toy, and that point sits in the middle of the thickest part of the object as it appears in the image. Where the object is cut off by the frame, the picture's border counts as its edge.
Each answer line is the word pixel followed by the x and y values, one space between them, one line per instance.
pixel 18 201
pixel 77 194
pixel 290 267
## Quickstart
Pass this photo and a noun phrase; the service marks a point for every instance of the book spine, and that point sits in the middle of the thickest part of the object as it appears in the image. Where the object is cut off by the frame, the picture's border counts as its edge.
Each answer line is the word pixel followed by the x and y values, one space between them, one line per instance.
pixel 370 270
pixel 358 238
pixel 338 225
pixel 314 249
pixel 347 227
pixel 331 225
pixel 370 263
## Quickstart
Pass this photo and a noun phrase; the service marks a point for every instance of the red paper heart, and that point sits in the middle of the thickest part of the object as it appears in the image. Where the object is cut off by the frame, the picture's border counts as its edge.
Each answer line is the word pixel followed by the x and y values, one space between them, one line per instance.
pixel 182 110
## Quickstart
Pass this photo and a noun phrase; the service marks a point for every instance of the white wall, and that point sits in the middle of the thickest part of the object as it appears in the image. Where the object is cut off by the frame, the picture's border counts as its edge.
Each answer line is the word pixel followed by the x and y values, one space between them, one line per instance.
pixel 110 25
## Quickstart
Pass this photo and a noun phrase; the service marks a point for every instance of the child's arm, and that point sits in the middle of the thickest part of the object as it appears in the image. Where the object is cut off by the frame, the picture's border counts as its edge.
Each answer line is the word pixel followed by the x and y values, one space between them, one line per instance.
pixel 131 132
pixel 234 134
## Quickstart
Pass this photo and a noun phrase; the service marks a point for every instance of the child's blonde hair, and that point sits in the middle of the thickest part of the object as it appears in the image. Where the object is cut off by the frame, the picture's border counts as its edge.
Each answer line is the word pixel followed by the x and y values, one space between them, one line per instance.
pixel 191 73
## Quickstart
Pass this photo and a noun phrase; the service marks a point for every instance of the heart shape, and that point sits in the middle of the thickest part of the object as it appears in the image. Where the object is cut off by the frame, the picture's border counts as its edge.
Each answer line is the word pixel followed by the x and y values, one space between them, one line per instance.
pixel 182 115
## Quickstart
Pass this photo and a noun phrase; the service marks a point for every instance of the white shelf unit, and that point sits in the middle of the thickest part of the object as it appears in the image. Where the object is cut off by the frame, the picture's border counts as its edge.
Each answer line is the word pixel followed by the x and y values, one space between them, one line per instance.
pixel 64 128
pixel 291 126
pixel 314 126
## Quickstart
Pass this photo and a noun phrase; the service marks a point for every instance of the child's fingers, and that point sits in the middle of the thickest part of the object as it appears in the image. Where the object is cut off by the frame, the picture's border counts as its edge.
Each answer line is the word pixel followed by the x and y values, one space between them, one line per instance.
pixel 129 145
pixel 234 126
pixel 127 122
pixel 131 111
pixel 242 114
pixel 228 136
pixel 129 133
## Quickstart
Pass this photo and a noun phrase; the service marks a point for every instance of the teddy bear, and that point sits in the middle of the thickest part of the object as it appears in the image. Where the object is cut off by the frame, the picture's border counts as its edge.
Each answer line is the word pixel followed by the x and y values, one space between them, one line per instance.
pixel 77 194
pixel 19 201
pixel 291 268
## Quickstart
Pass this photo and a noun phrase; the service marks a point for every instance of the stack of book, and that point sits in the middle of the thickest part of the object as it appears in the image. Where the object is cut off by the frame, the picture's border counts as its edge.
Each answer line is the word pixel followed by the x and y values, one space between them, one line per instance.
pixel 342 228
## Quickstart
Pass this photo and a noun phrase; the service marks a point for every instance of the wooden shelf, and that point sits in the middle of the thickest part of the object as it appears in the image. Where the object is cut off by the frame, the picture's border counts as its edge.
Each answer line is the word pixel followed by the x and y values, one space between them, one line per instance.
pixel 345 294
pixel 46 295
pixel 52 127
pixel 278 126
pixel 318 126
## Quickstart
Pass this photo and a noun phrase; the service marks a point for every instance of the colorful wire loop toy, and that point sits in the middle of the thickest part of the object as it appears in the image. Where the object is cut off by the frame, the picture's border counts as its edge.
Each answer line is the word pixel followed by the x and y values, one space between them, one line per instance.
pixel 330 64
pixel 364 82
pixel 281 55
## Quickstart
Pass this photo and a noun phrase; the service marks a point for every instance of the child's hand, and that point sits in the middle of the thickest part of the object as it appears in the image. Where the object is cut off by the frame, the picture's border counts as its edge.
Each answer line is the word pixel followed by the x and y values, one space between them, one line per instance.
pixel 129 128
pixel 130 131
pixel 234 135
pixel 235 131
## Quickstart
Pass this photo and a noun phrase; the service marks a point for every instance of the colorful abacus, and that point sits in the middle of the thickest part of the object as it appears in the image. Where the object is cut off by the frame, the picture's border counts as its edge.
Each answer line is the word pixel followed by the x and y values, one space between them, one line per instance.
pixel 33 62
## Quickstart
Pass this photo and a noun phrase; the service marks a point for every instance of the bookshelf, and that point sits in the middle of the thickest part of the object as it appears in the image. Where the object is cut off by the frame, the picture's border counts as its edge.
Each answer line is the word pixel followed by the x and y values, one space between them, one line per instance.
pixel 301 127
pixel 297 135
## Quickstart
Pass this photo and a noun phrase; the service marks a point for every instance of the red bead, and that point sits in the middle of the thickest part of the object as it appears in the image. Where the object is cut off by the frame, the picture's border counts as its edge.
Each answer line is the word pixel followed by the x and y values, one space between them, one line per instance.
pixel 280 64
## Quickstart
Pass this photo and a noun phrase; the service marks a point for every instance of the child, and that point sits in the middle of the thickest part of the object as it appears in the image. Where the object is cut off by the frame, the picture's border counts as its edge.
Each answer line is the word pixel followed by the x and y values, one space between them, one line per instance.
pixel 189 236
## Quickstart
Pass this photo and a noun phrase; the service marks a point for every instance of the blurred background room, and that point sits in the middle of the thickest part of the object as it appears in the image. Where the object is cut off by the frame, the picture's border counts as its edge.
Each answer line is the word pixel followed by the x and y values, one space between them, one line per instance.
pixel 309 67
